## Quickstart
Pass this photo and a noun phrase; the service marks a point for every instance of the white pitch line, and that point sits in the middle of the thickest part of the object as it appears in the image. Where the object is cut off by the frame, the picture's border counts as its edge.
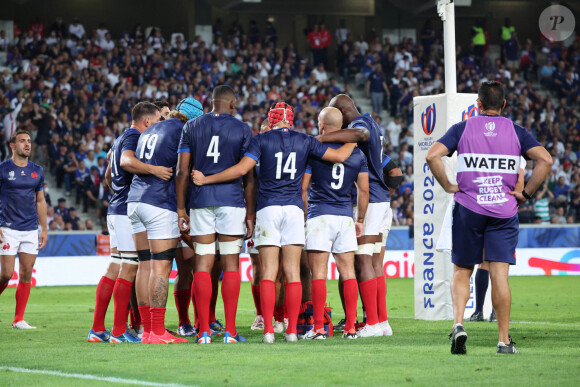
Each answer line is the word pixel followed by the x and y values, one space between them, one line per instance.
pixel 89 377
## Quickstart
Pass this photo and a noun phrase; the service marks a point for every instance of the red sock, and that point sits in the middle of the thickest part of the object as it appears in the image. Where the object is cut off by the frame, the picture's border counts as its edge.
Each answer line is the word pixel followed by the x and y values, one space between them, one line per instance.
pixel 135 318
pixel 368 293
pixel 318 301
pixel 279 313
pixel 182 298
pixel 195 317
pixel 256 296
pixel 145 313
pixel 350 299
pixel 292 300
pixel 104 293
pixel 22 293
pixel 382 298
pixel 268 300
pixel 3 286
pixel 213 300
pixel 158 321
pixel 202 283
pixel 230 294
pixel 121 296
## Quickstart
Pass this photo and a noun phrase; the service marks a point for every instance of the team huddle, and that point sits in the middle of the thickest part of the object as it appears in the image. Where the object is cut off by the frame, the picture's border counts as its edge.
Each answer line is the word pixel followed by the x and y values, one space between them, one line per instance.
pixel 294 196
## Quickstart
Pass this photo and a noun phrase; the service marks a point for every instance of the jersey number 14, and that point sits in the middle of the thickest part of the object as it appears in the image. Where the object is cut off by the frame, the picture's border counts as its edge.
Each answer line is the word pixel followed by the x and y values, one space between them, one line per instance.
pixel 289 166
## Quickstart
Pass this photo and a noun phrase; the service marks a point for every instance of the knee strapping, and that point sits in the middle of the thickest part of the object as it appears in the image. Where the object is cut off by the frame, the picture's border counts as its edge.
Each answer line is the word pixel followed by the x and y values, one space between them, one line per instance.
pixel 144 255
pixel 166 255
pixel 116 258
pixel 130 258
pixel 377 247
pixel 231 247
pixel 366 249
pixel 205 248
pixel 385 235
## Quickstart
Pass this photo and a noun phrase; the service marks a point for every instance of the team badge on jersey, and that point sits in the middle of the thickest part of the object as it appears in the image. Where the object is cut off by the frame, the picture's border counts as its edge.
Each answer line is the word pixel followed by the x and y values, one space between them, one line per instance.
pixel 34 175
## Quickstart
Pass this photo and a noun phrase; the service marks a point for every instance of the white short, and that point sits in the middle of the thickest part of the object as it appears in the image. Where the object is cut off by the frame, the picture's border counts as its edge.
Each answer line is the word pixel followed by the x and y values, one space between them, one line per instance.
pixel 375 219
pixel 160 223
pixel 221 220
pixel 279 226
pixel 332 233
pixel 121 235
pixel 19 242
pixel 388 224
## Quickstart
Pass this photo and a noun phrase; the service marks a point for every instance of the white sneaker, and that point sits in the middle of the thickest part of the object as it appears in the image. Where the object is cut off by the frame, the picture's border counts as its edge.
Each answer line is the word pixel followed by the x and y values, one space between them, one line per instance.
pixel 22 325
pixel 258 323
pixel 268 338
pixel 291 337
pixel 386 328
pixel 279 327
pixel 314 335
pixel 370 331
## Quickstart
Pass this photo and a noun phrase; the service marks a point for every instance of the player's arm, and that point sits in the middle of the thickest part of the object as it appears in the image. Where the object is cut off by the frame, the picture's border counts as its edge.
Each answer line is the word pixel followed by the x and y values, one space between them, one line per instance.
pixel 339 155
pixel 305 184
pixel 346 135
pixel 250 193
pixel 132 164
pixel 232 173
pixel 520 183
pixel 181 182
pixel 392 175
pixel 41 210
pixel 542 166
pixel 433 158
pixel 362 201
pixel 109 177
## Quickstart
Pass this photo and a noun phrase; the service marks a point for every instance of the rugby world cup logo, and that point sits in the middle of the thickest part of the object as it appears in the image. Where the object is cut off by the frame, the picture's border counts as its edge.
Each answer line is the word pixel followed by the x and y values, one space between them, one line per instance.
pixel 471 111
pixel 428 120
pixel 11 175
pixel 490 127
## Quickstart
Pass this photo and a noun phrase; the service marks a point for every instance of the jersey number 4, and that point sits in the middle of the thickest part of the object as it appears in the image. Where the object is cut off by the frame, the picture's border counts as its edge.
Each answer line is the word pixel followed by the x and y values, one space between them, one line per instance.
pixel 289 166
pixel 212 151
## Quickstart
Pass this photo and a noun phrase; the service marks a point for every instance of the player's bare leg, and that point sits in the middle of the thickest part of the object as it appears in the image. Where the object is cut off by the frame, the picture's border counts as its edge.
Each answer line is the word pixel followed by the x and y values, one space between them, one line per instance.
pixel 142 282
pixel 230 248
pixel 269 256
pixel 26 265
pixel 345 266
pixel 6 270
pixel 501 297
pixel 305 277
pixel 216 273
pixel 460 291
pixel 291 263
pixel 162 255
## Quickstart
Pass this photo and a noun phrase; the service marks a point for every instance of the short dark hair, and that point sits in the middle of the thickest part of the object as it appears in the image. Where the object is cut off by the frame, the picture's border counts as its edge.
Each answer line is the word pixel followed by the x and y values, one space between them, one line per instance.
pixel 160 104
pixel 491 95
pixel 15 134
pixel 223 92
pixel 143 109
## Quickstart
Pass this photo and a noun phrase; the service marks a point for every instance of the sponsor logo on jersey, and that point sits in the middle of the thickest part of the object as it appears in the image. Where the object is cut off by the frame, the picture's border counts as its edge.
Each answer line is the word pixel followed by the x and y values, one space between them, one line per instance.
pixel 428 119
pixel 489 128
pixel 11 175
pixel 477 162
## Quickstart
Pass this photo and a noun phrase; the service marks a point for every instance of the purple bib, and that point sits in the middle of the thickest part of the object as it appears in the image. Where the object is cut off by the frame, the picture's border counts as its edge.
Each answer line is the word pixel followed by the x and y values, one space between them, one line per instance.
pixel 488 165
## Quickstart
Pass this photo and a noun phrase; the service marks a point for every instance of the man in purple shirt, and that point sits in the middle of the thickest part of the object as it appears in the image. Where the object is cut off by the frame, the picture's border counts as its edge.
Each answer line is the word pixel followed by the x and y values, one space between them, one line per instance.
pixel 485 215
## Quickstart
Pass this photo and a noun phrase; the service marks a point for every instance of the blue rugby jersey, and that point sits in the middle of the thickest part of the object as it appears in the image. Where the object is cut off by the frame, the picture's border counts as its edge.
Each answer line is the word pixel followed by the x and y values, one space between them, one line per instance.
pixel 121 178
pixel 157 146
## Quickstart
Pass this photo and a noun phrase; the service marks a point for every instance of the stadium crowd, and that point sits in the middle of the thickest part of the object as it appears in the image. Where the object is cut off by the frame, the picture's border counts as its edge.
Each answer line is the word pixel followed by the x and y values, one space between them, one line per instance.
pixel 73 87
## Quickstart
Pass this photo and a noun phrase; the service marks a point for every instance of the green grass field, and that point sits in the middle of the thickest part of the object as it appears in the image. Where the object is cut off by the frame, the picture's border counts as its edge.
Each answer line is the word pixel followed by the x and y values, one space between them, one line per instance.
pixel 546 327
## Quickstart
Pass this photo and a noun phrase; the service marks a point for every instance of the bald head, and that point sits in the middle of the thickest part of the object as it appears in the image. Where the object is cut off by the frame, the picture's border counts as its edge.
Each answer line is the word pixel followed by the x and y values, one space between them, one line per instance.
pixel 346 106
pixel 329 120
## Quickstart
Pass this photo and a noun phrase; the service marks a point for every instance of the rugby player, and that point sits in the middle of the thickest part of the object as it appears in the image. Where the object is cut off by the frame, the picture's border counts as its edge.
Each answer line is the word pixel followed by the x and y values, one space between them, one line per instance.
pixel 22 211
pixel 330 227
pixel 151 207
pixel 283 154
pixel 371 284
pixel 213 143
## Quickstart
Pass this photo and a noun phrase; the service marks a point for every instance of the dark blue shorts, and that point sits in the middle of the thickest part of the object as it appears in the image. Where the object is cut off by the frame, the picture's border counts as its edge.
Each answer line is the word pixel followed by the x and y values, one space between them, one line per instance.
pixel 473 232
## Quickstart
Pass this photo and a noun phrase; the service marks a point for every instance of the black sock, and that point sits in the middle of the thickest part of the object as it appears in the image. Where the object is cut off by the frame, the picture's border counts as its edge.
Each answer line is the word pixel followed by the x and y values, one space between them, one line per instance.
pixel 481 283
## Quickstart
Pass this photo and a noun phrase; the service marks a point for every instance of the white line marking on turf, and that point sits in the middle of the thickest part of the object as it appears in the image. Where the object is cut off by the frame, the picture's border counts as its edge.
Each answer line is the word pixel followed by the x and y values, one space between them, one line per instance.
pixel 87 376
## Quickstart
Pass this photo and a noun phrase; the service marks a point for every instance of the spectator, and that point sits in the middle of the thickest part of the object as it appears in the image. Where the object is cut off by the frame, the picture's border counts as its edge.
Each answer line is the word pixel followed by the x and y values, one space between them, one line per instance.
pixel 376 88
pixel 81 174
pixel 317 45
pixel 542 200
pixel 394 129
pixel 76 29
pixel 72 218
pixel 61 209
pixel 561 189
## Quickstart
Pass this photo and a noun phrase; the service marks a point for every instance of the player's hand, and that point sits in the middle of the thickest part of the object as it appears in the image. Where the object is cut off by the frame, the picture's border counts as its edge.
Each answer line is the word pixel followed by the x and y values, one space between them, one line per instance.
pixel 42 238
pixel 452 188
pixel 1 237
pixel 198 178
pixel 186 238
pixel 358 226
pixel 519 197
pixel 183 220
pixel 250 223
pixel 164 173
